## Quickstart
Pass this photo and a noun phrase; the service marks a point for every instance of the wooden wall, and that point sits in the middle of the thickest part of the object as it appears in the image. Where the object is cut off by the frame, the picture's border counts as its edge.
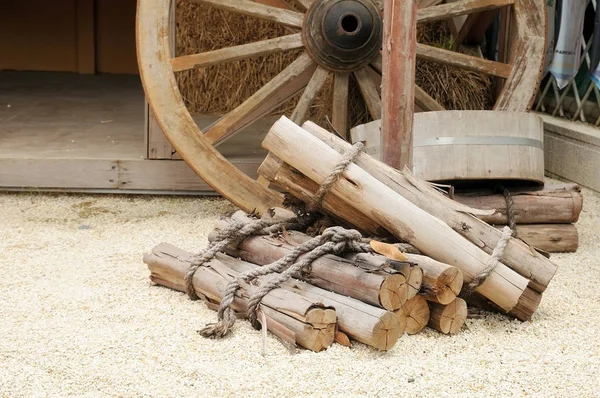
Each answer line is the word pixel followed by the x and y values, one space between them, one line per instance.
pixel 85 36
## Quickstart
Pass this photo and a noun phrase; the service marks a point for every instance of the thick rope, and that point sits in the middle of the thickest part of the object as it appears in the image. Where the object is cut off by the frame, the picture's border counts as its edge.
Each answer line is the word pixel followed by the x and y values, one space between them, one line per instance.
pixel 236 231
pixel 492 262
pixel 510 211
pixel 335 175
pixel 333 241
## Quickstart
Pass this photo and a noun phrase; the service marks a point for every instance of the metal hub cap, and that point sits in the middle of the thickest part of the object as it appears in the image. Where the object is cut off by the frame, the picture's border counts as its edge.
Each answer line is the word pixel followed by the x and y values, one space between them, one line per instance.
pixel 343 35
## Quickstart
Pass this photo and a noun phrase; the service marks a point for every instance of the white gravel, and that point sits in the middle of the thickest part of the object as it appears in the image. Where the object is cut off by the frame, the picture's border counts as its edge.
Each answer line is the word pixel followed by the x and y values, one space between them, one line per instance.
pixel 78 317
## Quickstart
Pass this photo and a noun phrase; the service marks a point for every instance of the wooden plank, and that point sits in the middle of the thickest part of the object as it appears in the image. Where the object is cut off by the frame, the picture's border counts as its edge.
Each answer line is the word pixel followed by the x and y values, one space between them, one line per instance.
pixel 434 54
pixel 59 173
pixel 86 39
pixel 463 7
pixel 170 175
pixel 398 82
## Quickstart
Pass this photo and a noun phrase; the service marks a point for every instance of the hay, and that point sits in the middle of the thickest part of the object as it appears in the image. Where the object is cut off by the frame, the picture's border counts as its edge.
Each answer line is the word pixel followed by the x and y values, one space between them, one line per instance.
pixel 218 89
pixel 452 87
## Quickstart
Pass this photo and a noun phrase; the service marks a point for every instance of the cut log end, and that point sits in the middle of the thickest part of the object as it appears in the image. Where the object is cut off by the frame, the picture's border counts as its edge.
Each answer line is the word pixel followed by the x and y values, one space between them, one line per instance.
pixel 413 275
pixel 445 289
pixel 448 319
pixel 320 337
pixel 527 305
pixel 388 330
pixel 393 292
pixel 417 314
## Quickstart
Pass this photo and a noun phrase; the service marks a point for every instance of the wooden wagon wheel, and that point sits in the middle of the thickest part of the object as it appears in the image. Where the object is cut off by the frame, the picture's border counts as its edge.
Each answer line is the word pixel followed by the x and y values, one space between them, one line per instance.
pixel 339 37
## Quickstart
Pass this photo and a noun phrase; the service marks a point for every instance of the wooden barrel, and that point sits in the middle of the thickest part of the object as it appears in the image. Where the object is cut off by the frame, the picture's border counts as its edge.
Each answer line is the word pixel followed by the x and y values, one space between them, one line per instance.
pixel 478 145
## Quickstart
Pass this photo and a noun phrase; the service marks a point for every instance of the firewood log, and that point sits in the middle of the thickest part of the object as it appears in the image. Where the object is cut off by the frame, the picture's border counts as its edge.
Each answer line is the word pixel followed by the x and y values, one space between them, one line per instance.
pixel 386 289
pixel 411 272
pixel 552 205
pixel 552 238
pixel 448 319
pixel 441 282
pixel 310 323
pixel 362 322
pixel 312 157
pixel 436 281
pixel 417 314
pixel 518 255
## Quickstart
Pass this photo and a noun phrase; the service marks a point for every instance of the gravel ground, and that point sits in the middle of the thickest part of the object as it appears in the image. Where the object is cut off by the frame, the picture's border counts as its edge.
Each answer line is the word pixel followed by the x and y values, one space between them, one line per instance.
pixel 79 317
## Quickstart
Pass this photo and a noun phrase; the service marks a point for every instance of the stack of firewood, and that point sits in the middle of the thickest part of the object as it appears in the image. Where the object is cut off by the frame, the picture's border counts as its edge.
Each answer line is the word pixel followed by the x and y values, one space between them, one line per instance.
pixel 545 216
pixel 375 297
pixel 365 297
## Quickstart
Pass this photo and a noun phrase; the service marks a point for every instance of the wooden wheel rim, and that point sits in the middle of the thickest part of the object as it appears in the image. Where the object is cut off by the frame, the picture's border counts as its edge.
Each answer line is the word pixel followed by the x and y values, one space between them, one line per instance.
pixel 197 149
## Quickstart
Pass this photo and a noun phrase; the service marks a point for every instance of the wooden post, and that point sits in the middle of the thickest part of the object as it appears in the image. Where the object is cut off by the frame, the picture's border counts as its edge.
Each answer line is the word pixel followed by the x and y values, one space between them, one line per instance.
pixel 398 81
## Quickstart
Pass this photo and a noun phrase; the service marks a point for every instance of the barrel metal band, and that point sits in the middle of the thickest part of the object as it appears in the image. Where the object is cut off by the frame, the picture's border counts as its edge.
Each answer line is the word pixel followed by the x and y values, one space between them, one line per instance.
pixel 438 141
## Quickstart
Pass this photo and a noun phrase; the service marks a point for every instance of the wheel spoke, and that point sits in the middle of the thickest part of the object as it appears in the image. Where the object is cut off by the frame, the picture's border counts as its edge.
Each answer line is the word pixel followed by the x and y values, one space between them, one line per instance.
pixel 369 92
pixel 302 109
pixel 268 13
pixel 377 63
pixel 275 3
pixel 463 7
pixel 236 53
pixel 434 54
pixel 425 101
pixel 283 86
pixel 339 117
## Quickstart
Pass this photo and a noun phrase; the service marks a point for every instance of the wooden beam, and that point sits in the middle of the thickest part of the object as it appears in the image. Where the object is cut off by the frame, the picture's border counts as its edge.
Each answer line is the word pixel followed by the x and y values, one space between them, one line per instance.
pixel 398 81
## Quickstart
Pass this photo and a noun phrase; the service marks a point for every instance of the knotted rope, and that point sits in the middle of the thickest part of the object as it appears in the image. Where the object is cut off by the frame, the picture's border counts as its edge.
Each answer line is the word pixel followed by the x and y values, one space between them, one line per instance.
pixel 335 175
pixel 334 240
pixel 492 262
pixel 236 231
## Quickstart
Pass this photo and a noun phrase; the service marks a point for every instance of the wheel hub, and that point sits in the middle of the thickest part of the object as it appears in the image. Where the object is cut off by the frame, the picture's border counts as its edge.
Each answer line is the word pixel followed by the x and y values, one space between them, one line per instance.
pixel 343 35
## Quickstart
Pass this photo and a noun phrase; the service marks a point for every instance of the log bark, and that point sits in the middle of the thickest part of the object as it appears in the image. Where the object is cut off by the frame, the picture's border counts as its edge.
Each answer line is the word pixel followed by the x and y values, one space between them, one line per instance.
pixel 406 221
pixel 385 288
pixel 411 272
pixel 448 319
pixel 417 314
pixel 548 206
pixel 310 323
pixel 518 255
pixel 362 322
pixel 552 238
pixel 303 188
